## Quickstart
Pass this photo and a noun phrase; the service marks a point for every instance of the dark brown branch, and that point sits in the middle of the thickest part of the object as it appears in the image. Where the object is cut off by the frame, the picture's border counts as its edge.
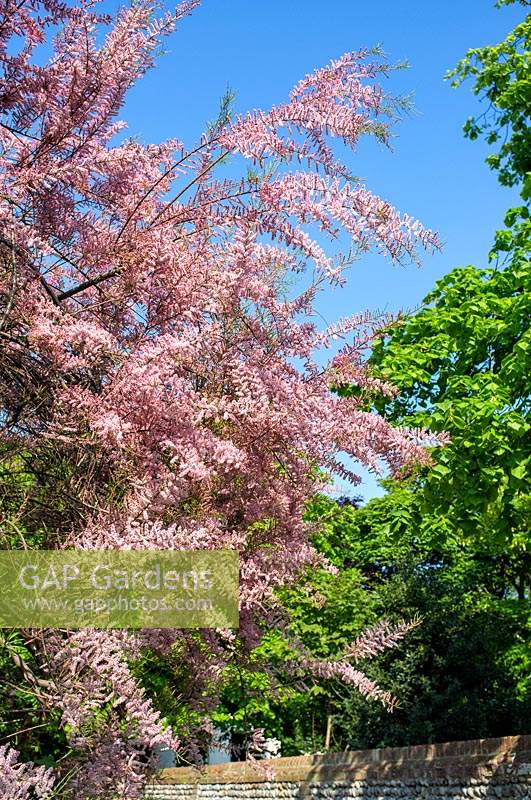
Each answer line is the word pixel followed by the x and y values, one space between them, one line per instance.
pixel 26 671
pixel 11 299
pixel 89 284
pixel 181 221
pixel 24 255
pixel 17 132
pixel 188 186
pixel 159 181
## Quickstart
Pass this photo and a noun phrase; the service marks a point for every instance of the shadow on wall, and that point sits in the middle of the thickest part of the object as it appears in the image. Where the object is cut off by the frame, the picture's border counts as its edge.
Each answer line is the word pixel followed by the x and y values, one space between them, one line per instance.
pixel 487 769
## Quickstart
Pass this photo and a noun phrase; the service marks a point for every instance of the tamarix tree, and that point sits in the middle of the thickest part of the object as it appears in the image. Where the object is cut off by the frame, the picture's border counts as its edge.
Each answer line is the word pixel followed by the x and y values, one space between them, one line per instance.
pixel 160 386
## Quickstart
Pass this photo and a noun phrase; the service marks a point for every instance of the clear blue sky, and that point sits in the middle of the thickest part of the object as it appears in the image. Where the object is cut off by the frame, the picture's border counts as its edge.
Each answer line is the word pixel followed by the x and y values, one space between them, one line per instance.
pixel 262 47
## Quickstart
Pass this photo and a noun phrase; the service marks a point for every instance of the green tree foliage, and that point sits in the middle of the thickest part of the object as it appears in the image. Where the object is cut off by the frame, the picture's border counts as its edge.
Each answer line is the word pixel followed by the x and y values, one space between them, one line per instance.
pixel 501 75
pixel 327 611
pixel 462 673
pixel 462 365
pixel 458 674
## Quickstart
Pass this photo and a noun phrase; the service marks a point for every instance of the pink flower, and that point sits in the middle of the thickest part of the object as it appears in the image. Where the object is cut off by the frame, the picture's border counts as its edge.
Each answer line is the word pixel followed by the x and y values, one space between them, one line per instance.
pixel 152 364
pixel 23 781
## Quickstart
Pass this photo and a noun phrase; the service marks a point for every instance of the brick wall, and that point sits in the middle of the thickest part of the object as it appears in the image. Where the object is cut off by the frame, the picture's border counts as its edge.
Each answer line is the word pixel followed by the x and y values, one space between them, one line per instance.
pixel 485 769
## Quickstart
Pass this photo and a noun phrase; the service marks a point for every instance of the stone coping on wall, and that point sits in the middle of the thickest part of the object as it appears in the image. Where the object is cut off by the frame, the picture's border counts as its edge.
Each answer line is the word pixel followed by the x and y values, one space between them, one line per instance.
pixel 470 759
